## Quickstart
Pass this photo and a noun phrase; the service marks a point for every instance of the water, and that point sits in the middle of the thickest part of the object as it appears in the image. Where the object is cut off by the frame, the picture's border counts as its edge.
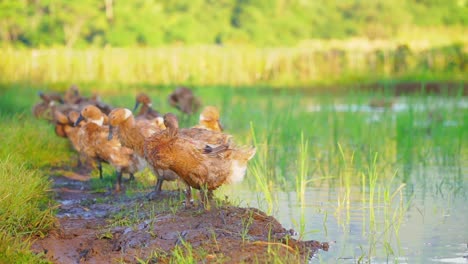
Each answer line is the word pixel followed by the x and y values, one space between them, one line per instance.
pixel 415 213
pixel 433 229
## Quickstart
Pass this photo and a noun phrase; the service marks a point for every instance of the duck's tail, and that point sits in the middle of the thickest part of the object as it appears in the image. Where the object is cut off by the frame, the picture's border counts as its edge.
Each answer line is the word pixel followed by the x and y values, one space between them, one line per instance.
pixel 239 163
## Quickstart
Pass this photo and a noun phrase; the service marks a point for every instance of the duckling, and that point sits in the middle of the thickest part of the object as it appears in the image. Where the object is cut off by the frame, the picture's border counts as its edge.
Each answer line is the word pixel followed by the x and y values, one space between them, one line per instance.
pixel 132 134
pixel 200 165
pixel 209 119
pixel 183 99
pixel 146 110
pixel 94 142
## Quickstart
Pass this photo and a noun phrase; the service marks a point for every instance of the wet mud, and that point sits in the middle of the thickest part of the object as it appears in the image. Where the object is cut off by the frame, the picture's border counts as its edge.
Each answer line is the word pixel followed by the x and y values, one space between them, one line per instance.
pixel 105 227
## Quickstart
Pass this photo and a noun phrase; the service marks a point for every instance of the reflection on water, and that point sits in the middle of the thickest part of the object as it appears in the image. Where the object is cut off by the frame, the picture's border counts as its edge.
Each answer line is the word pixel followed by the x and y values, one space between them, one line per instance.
pixel 417 216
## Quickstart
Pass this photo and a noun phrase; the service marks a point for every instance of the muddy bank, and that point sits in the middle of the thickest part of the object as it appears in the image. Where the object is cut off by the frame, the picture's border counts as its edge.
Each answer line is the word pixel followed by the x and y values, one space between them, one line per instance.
pixel 104 227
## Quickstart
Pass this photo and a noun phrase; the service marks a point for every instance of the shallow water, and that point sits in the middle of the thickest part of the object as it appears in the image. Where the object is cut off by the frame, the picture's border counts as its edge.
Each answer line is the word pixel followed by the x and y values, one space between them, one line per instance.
pixel 433 229
pixel 424 221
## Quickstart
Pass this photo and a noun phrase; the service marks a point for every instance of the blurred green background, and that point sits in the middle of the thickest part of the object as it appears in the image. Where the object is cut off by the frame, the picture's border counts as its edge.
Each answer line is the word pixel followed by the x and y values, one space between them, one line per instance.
pixel 274 43
pixel 265 23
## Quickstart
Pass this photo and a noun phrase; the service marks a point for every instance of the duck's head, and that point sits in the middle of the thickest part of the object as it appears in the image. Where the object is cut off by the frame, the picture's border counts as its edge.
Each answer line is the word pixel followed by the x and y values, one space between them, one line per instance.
pixel 119 115
pixel 210 113
pixel 91 114
pixel 144 99
pixel 170 121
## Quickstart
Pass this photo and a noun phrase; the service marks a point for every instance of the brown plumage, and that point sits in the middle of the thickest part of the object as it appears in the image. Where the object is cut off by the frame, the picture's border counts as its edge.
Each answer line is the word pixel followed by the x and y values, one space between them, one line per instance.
pixel 199 164
pixel 72 95
pixel 183 99
pixel 71 101
pixel 40 111
pixel 95 99
pixel 61 121
pixel 51 96
pixel 146 110
pixel 72 132
pixel 132 134
pixel 94 142
pixel 73 129
pixel 209 119
pixel 43 108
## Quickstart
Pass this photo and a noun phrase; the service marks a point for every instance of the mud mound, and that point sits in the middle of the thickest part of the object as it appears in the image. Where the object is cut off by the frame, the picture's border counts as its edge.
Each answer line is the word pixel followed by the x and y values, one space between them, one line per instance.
pixel 95 228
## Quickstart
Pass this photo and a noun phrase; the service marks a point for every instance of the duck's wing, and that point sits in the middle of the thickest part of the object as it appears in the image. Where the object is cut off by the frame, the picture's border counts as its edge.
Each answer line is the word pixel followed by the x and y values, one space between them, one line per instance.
pixel 221 151
pixel 205 135
pixel 147 127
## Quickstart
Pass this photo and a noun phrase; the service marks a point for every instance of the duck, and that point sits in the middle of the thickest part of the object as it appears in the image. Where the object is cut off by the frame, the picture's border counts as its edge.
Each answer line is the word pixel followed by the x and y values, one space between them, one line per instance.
pixel 65 128
pixel 94 143
pixel 72 130
pixel 132 134
pixel 95 99
pixel 183 99
pixel 42 110
pixel 72 95
pixel 209 119
pixel 200 164
pixel 146 110
pixel 51 96
pixel 60 122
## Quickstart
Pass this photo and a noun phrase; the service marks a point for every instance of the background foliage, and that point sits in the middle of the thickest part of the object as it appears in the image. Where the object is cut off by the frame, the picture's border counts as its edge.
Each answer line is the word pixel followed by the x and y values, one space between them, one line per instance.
pixel 98 23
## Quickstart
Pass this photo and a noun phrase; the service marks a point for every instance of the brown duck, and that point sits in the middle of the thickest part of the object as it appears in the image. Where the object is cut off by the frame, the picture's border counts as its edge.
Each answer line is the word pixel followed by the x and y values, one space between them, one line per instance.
pixel 93 141
pixel 132 134
pixel 183 99
pixel 209 119
pixel 198 163
pixel 43 109
pixel 146 110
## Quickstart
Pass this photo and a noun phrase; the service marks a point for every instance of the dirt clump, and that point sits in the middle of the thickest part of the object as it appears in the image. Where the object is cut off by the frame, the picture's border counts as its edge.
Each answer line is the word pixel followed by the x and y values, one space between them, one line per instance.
pixel 100 227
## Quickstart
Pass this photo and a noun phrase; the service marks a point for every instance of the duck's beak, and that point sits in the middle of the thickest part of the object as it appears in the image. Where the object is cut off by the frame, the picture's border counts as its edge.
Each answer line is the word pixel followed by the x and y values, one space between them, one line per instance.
pixel 111 134
pixel 136 106
pixel 80 118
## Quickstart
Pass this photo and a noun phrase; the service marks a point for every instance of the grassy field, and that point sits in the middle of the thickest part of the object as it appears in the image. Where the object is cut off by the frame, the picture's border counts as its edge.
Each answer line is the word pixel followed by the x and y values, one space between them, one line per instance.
pixel 28 149
pixel 325 141
pixel 314 63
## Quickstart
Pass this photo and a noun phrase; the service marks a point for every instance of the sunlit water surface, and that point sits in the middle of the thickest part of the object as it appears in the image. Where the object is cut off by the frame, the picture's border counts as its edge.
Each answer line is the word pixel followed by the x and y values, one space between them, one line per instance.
pixel 425 222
